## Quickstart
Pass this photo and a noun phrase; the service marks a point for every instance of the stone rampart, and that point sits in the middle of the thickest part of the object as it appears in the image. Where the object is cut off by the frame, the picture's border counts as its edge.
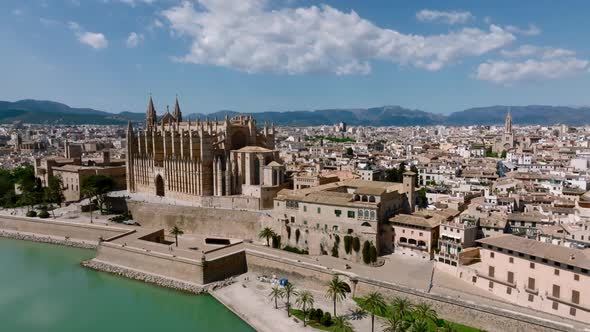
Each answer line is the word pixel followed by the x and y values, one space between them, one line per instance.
pixel 205 221
pixel 58 228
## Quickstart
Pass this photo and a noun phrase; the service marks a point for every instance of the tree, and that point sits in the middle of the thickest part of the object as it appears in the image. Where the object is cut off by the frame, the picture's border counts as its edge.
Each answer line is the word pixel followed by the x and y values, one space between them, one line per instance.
pixel 373 253
pixel 176 232
pixel 424 312
pixel 375 304
pixel 349 152
pixel 54 192
pixel 356 244
pixel 401 308
pixel 447 327
pixel 341 324
pixel 367 252
pixel 503 154
pixel 304 301
pixel 297 235
pixel 289 290
pixel 419 325
pixel 336 291
pixel 267 233
pixel 276 293
pixel 421 199
pixel 348 244
pixel 414 169
pixel 97 187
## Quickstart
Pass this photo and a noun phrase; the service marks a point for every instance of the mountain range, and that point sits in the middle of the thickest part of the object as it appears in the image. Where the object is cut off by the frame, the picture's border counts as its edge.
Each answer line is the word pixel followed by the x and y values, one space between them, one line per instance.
pixel 50 112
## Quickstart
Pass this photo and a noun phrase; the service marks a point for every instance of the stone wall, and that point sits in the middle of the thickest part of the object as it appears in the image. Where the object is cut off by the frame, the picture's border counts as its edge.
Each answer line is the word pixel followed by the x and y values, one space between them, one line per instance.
pixel 205 221
pixel 59 228
pixel 316 277
pixel 224 267
pixel 151 262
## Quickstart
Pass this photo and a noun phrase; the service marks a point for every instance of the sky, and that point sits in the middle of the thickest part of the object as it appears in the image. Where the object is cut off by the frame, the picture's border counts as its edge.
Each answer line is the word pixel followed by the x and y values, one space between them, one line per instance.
pixel 281 55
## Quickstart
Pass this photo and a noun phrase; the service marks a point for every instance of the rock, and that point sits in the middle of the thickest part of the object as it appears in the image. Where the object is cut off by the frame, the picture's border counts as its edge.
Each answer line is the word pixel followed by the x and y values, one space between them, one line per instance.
pixel 47 239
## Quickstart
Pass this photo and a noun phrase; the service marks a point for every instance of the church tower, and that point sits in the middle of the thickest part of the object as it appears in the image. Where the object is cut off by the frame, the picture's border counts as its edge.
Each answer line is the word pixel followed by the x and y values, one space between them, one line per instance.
pixel 150 117
pixel 508 123
pixel 177 113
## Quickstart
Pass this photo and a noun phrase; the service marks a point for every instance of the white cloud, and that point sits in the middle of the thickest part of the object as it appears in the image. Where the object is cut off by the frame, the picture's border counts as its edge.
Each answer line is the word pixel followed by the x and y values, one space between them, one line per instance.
pixel 95 40
pixel 532 30
pixel 157 24
pixel 531 69
pixel 537 51
pixel 451 17
pixel 134 40
pixel 132 3
pixel 245 35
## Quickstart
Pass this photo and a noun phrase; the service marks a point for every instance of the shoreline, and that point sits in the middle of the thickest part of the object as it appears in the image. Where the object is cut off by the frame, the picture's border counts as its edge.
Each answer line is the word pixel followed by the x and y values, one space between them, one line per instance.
pixel 48 239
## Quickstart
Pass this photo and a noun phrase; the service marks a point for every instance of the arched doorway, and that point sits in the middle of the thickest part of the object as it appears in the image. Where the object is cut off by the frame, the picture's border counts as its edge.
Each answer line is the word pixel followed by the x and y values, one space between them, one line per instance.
pixel 159 186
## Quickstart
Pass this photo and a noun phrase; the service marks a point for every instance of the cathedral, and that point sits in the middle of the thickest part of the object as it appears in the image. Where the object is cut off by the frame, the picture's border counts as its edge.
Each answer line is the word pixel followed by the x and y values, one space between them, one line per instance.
pixel 225 164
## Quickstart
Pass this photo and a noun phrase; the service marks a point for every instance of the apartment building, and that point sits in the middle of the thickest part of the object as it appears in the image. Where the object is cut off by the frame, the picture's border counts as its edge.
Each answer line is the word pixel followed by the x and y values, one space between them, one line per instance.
pixel 535 274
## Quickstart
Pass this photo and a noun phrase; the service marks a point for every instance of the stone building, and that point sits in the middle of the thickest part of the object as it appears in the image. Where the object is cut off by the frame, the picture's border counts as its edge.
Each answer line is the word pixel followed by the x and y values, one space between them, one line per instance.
pixel 228 164
pixel 318 218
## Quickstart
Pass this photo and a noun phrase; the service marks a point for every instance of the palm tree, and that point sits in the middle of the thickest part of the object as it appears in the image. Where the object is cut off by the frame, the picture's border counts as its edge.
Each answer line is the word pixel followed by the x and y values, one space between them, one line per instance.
pixel 288 290
pixel 267 233
pixel 336 291
pixel 275 294
pixel 176 232
pixel 341 324
pixel 419 325
pixel 305 301
pixel 375 304
pixel 393 325
pixel 401 308
pixel 424 312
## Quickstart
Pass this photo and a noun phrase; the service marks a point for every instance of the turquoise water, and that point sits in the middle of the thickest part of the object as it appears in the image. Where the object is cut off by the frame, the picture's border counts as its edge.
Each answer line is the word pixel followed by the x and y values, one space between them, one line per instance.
pixel 43 288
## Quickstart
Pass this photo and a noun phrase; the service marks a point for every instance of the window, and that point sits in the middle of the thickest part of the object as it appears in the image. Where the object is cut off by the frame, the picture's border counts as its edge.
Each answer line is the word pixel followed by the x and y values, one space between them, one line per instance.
pixel 337 213
pixel 556 272
pixel 319 210
pixel 573 311
pixel 473 279
pixel 575 297
pixel 305 208
pixel 556 290
pixel 531 284
pixel 531 297
pixel 350 214
pixel 532 265
pixel 510 277
pixel 420 234
pixel 576 277
pixel 544 260
pixel 508 290
pixel 511 260
pixel 555 305
pixel 372 215
pixel 305 222
pixel 491 255
pixel 491 271
pixel 491 284
pixel 556 264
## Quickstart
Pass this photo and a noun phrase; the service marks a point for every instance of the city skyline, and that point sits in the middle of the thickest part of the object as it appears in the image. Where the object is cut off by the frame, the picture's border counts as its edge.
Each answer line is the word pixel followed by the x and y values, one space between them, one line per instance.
pixel 282 55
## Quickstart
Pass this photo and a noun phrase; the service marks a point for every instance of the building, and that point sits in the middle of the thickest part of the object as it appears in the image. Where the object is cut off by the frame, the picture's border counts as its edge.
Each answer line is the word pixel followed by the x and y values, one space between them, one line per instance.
pixel 415 234
pixel 535 274
pixel 456 236
pixel 231 163
pixel 318 218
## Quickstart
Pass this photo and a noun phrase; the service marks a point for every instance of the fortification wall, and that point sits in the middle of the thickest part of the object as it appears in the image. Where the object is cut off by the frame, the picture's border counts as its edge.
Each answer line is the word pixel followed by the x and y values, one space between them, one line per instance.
pixel 224 267
pixel 316 277
pixel 214 222
pixel 52 227
pixel 151 262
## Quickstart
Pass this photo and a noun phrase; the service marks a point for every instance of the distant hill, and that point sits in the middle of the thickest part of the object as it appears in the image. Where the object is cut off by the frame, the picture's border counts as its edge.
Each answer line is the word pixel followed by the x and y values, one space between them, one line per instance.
pixel 49 112
pixel 530 115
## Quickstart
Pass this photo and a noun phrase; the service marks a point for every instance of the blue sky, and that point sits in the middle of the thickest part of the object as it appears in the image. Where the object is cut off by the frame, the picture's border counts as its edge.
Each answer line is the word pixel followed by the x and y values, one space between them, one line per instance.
pixel 279 55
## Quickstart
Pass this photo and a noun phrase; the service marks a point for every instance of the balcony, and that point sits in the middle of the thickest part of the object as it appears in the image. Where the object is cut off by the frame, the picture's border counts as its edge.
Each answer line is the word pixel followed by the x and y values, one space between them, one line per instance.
pixel 563 301
pixel 502 282
pixel 531 291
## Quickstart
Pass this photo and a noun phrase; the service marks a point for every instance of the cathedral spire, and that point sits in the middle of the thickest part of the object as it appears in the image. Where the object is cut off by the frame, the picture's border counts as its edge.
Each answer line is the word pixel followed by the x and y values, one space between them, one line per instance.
pixel 177 113
pixel 151 117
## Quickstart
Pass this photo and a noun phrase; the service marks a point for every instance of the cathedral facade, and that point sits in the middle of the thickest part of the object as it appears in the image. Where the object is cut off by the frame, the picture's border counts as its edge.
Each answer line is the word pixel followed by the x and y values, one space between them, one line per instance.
pixel 227 164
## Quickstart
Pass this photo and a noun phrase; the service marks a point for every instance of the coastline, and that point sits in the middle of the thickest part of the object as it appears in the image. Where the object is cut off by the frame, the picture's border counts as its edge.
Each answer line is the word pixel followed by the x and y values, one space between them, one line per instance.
pixel 49 239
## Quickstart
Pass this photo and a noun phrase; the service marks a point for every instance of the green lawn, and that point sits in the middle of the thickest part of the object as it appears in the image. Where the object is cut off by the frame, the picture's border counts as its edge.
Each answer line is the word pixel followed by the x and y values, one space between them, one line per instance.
pixel 433 326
